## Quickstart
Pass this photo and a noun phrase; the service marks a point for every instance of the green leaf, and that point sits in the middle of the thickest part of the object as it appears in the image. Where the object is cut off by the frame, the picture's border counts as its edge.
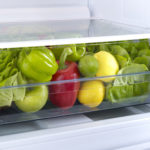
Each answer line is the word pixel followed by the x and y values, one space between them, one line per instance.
pixel 5 59
pixel 128 93
pixel 133 52
pixel 128 87
pixel 125 44
pixel 143 60
pixel 131 79
pixel 9 94
pixel 118 50
pixel 121 55
pixel 143 52
pixel 118 94
pixel 104 47
pixel 133 68
pixel 6 95
pixel 141 88
pixel 123 61
pixel 19 93
pixel 9 70
pixel 91 47
pixel 142 44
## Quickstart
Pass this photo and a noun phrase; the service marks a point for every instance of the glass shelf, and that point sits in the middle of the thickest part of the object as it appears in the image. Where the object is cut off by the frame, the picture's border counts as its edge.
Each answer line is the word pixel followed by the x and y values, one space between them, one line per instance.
pixel 59 32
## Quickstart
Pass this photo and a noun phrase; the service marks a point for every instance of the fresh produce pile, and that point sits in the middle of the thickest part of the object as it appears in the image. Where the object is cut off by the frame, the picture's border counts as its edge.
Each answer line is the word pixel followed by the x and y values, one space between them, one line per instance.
pixel 22 66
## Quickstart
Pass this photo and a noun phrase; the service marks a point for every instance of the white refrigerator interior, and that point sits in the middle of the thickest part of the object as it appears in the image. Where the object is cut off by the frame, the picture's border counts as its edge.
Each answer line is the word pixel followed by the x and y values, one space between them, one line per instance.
pixel 53 22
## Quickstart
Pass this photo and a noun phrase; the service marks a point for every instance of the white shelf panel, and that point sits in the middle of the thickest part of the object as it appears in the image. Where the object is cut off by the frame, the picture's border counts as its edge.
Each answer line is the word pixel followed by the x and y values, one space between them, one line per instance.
pixel 58 32
pixel 122 133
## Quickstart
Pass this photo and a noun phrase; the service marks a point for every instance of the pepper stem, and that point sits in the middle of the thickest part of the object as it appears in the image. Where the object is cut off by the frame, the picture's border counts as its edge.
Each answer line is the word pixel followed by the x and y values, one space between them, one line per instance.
pixel 67 51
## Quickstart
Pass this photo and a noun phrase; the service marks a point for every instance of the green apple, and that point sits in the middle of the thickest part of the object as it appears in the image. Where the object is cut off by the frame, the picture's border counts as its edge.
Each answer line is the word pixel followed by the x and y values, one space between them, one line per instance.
pixel 34 99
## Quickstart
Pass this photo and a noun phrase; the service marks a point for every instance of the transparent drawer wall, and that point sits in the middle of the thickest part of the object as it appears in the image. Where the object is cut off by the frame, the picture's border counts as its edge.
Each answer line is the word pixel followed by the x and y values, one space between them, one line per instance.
pixel 95 77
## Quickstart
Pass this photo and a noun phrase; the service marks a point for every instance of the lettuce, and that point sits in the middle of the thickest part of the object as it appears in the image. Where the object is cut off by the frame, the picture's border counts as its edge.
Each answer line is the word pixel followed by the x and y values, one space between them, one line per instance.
pixel 19 93
pixel 143 52
pixel 127 87
pixel 142 44
pixel 133 52
pixel 125 44
pixel 143 60
pixel 123 61
pixel 117 94
pixel 7 95
pixel 121 55
pixel 10 76
pixel 104 47
pixel 91 48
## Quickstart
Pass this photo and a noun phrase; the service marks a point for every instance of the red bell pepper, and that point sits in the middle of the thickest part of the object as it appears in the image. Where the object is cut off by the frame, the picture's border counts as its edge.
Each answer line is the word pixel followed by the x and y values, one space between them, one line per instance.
pixel 64 95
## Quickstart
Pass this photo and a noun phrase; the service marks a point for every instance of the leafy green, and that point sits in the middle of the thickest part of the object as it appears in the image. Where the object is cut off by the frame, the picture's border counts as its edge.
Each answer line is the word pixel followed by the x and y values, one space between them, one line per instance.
pixel 143 52
pixel 10 76
pixel 141 88
pixel 125 44
pixel 133 52
pixel 91 47
pixel 118 50
pixel 117 94
pixel 19 93
pixel 7 95
pixel 128 86
pixel 142 44
pixel 133 47
pixel 130 47
pixel 131 79
pixel 104 47
pixel 121 55
pixel 123 61
pixel 133 68
pixel 143 60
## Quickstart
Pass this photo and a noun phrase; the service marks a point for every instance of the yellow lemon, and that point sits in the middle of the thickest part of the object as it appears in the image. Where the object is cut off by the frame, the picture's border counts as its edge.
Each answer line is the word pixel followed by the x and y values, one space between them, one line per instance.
pixel 108 65
pixel 91 93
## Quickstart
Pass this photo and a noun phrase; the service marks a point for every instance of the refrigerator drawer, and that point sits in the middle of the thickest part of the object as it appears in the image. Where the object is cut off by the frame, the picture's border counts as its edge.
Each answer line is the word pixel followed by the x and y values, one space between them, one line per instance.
pixel 85 78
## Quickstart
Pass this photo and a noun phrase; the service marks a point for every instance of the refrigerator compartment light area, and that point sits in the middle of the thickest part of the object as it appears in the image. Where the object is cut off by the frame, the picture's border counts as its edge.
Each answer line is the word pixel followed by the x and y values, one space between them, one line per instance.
pixel 33 85
pixel 58 32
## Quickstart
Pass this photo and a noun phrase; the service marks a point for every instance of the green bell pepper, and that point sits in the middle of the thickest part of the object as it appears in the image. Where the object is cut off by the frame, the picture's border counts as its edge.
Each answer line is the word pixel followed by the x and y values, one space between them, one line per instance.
pixel 37 63
pixel 78 50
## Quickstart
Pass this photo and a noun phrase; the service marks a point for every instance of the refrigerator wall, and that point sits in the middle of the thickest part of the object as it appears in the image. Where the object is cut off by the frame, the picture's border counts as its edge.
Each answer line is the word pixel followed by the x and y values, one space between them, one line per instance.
pixel 32 10
pixel 124 11
pixel 134 12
